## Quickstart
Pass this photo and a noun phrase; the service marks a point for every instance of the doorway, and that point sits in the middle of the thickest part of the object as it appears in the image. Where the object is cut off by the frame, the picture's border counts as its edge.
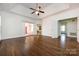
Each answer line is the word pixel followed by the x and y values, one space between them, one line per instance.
pixel 67 31
pixel 29 28
pixel 63 30
pixel 62 33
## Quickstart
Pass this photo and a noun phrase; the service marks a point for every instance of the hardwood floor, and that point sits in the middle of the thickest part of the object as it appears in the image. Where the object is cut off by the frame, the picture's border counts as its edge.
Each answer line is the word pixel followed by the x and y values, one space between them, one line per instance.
pixel 38 46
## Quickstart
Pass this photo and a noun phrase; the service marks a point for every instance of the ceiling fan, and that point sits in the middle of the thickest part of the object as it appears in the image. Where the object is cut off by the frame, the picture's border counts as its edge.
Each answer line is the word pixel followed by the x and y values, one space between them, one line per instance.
pixel 38 10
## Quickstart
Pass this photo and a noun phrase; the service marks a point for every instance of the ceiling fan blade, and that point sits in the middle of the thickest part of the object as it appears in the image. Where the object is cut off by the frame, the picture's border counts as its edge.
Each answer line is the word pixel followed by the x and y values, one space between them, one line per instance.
pixel 32 8
pixel 33 12
pixel 41 11
pixel 38 14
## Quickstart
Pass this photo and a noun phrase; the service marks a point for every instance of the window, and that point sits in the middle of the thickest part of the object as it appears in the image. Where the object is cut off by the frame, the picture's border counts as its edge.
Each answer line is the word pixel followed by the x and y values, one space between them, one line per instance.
pixel 62 28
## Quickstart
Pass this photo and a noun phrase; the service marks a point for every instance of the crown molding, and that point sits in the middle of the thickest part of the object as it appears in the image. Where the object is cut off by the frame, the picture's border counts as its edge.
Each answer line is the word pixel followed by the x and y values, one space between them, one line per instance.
pixel 20 15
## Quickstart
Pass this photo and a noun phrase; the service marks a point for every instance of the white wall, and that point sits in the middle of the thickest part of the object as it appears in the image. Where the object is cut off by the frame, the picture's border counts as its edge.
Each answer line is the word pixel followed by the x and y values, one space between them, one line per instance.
pixel 50 24
pixel 71 28
pixel 13 25
pixel 49 27
pixel 0 27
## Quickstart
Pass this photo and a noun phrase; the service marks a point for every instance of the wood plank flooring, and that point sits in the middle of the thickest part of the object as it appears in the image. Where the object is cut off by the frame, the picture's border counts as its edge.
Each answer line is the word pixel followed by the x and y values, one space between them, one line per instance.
pixel 38 46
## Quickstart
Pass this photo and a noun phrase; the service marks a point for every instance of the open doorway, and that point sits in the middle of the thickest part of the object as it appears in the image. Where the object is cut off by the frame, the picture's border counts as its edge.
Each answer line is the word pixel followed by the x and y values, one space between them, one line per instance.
pixel 67 31
pixel 29 28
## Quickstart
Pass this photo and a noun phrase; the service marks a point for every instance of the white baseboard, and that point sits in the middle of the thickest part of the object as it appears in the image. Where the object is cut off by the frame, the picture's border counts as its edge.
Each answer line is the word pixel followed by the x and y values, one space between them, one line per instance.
pixel 12 37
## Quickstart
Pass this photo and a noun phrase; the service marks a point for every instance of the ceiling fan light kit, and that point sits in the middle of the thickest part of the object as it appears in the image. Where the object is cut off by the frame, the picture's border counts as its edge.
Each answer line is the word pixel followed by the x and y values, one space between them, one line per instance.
pixel 36 12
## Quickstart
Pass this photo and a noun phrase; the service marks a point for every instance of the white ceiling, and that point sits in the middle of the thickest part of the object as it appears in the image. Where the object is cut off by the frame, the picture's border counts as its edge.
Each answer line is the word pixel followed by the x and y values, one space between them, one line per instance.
pixel 49 8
